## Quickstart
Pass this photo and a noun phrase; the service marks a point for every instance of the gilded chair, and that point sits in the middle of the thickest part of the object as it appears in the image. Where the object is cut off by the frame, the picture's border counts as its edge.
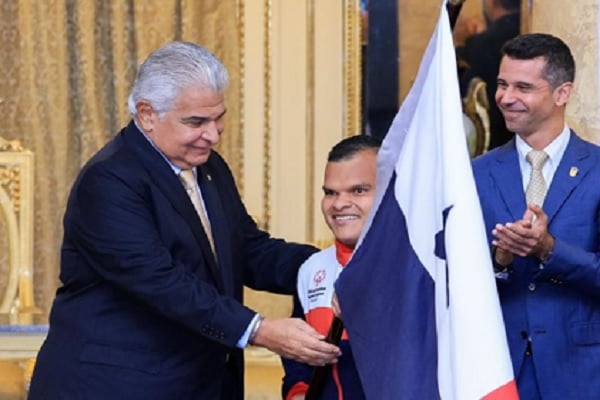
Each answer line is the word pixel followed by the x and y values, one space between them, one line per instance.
pixel 20 339
pixel 476 110
pixel 16 233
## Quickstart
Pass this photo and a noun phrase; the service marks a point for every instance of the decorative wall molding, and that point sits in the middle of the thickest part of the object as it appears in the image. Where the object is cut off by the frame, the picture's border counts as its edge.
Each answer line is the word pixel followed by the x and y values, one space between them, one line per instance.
pixel 268 97
pixel 352 68
pixel 239 139
pixel 310 119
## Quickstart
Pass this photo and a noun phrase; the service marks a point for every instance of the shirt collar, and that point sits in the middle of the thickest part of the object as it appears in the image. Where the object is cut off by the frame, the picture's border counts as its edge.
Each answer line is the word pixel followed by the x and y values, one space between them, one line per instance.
pixel 174 167
pixel 342 252
pixel 555 149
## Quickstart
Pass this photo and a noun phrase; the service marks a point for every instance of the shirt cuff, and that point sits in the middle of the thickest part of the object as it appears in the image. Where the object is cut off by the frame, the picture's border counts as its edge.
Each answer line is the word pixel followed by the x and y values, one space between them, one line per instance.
pixel 243 341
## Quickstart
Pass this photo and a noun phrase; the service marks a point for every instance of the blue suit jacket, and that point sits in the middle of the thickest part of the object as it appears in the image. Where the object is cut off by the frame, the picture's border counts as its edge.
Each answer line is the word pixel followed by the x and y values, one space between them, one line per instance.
pixel 145 311
pixel 557 305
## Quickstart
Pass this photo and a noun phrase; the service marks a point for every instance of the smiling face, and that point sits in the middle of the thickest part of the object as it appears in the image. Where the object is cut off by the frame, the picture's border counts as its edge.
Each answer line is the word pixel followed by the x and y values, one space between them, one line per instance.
pixel 187 132
pixel 529 104
pixel 348 192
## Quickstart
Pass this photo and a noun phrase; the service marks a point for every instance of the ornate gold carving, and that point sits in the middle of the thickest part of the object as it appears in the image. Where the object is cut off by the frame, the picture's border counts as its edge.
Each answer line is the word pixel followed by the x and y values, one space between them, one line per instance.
pixel 10 145
pixel 268 92
pixel 10 180
pixel 352 69
pixel 310 119
pixel 476 107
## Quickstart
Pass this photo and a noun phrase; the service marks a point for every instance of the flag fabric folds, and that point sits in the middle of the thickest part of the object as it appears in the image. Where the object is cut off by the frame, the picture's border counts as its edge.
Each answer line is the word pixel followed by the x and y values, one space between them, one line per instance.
pixel 418 297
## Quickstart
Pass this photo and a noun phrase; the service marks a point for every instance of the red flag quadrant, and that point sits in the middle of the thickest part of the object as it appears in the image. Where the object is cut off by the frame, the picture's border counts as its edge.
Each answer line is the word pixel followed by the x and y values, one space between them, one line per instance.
pixel 418 296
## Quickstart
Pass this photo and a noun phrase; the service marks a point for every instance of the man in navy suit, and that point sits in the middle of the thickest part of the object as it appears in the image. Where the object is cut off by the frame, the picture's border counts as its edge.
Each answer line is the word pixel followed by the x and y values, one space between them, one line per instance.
pixel 150 305
pixel 546 255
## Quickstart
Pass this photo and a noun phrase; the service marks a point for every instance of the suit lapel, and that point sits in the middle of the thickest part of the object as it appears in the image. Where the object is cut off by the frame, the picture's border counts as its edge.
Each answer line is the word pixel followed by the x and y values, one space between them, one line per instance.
pixel 507 176
pixel 218 222
pixel 573 167
pixel 169 184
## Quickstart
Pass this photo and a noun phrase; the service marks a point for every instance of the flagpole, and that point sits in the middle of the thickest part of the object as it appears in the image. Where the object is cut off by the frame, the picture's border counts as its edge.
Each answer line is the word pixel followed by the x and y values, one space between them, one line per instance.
pixel 317 381
pixel 454 7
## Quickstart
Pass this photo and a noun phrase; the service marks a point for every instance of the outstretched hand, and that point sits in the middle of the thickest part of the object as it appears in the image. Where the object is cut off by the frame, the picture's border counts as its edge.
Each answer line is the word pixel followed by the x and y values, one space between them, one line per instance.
pixel 293 338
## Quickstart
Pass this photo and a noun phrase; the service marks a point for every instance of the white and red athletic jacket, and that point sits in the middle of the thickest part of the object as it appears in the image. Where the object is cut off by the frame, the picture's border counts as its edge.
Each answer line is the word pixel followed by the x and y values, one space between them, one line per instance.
pixel 316 278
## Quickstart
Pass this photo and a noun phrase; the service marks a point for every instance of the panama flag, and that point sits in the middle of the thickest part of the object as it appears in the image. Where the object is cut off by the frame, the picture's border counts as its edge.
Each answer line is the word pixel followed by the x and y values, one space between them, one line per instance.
pixel 418 297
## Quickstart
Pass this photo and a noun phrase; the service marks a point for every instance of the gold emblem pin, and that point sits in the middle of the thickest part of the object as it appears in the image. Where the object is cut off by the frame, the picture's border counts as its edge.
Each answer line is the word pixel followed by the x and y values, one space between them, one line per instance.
pixel 573 172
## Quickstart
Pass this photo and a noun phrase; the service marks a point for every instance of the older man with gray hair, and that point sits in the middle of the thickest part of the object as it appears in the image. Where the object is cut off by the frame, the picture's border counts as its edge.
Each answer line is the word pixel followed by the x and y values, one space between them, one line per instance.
pixel 157 247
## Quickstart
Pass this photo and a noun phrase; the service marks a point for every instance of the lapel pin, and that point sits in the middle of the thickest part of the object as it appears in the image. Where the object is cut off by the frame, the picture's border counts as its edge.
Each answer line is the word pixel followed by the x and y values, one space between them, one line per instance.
pixel 573 172
pixel 210 177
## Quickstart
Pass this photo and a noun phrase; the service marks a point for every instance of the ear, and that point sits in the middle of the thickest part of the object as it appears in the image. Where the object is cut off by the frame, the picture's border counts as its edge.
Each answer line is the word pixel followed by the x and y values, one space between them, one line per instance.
pixel 146 115
pixel 562 93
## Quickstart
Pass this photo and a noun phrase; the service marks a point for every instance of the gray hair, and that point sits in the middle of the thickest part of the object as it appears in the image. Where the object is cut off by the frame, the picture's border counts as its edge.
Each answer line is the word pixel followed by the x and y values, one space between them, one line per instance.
pixel 173 67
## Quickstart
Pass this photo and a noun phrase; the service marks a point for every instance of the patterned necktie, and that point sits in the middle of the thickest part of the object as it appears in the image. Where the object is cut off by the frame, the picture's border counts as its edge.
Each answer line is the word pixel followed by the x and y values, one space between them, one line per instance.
pixel 191 186
pixel 536 188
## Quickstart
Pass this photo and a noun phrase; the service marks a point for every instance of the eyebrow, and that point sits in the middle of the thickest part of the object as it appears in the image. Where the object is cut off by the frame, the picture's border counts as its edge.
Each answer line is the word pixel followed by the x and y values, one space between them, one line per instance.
pixel 522 84
pixel 362 186
pixel 196 119
pixel 351 188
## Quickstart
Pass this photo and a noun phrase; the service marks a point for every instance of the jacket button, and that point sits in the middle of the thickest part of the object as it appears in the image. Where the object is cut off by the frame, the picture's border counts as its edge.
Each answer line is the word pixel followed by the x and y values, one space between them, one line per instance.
pixel 531 287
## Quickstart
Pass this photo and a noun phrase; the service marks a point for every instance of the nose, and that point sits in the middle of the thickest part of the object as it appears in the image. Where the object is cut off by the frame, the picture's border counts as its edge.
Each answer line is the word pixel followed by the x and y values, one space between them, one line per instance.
pixel 505 95
pixel 341 201
pixel 211 132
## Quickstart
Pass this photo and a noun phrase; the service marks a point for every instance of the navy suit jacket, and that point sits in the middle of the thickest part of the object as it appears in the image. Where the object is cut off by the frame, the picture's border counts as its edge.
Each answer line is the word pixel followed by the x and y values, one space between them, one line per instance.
pixel 557 304
pixel 145 311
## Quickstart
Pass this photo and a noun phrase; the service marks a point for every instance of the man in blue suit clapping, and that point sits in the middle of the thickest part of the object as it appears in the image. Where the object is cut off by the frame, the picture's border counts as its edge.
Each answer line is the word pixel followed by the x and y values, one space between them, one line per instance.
pixel 540 195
